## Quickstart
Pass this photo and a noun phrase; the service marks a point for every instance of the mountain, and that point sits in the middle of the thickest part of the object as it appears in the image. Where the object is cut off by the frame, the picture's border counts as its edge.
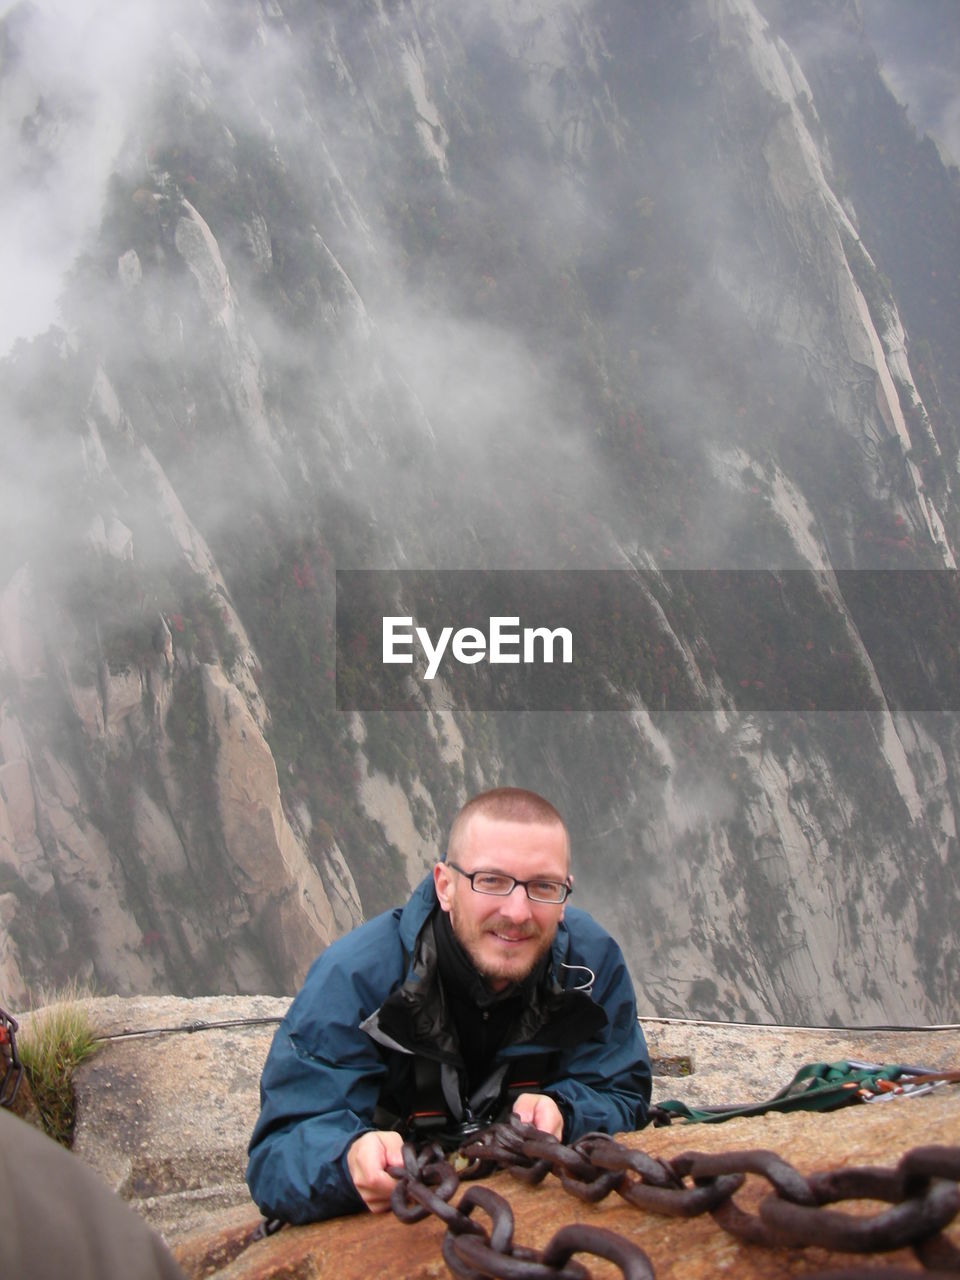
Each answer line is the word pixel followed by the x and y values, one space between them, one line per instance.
pixel 919 61
pixel 588 285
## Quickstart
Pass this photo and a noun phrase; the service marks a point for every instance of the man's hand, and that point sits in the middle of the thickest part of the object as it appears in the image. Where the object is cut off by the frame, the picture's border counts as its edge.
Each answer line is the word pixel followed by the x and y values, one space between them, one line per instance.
pixel 367 1160
pixel 540 1111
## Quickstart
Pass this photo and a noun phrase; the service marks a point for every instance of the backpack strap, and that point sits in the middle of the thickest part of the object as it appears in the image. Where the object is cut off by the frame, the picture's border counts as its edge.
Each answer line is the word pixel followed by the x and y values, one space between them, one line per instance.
pixel 435 1112
pixel 526 1075
pixel 431 1114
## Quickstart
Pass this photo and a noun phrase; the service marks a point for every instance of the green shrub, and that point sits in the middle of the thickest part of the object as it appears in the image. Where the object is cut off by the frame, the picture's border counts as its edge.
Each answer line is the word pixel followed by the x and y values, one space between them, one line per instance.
pixel 52 1043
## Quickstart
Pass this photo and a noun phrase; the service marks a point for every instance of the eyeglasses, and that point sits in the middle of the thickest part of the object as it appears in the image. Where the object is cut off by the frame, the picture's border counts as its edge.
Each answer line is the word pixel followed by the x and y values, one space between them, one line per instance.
pixel 501 886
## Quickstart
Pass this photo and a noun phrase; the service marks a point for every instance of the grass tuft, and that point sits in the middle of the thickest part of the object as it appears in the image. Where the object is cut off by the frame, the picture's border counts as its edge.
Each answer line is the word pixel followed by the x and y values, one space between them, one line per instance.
pixel 52 1044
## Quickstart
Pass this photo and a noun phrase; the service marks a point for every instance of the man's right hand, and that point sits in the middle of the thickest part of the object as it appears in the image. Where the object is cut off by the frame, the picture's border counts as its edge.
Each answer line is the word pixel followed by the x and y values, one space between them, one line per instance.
pixel 367 1161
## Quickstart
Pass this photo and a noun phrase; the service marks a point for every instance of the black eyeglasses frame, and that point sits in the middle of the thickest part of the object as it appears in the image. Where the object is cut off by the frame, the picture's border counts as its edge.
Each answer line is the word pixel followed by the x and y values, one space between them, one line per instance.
pixel 524 884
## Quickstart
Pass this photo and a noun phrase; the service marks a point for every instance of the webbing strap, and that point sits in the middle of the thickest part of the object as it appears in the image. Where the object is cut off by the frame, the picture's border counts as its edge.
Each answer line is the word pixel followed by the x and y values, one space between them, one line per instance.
pixel 432 1115
pixel 818 1086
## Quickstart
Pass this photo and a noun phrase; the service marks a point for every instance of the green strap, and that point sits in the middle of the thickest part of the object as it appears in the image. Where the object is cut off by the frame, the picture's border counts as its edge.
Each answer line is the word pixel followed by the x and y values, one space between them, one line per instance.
pixel 819 1086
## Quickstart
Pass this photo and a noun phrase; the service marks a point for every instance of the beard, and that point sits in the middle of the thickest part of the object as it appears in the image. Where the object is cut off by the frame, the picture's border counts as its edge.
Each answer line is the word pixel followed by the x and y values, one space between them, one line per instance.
pixel 501 950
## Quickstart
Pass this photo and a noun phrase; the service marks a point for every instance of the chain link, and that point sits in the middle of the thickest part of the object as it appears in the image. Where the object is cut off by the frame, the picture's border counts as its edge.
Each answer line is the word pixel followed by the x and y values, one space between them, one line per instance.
pixel 922 1190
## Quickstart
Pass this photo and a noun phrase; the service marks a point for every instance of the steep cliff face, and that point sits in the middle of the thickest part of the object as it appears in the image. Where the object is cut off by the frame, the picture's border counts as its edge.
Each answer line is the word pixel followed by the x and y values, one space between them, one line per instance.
pixel 138 790
pixel 569 285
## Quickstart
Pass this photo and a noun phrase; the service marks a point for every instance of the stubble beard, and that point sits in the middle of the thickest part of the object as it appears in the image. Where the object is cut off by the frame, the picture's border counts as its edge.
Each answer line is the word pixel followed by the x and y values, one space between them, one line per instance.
pixel 470 937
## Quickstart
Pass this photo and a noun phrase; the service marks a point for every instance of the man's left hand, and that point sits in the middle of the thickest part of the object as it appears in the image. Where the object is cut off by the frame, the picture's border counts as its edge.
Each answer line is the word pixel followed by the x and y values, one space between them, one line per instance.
pixel 540 1111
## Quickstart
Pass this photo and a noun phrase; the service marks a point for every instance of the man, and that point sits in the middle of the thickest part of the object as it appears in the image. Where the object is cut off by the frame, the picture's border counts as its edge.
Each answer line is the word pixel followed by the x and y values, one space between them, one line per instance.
pixel 483 994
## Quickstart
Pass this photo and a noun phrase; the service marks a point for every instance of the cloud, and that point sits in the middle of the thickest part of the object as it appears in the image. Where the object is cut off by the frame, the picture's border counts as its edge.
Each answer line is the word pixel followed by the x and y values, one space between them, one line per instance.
pixel 918 46
pixel 75 72
pixel 932 98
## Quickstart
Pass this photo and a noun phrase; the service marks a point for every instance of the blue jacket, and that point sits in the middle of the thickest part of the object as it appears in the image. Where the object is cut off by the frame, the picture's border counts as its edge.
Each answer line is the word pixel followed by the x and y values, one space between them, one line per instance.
pixel 326 1076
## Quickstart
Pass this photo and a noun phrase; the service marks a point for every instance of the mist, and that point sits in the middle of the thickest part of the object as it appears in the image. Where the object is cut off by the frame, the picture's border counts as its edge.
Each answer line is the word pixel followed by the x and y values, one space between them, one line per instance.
pixel 918 47
pixel 298 288
pixel 446 373
pixel 73 78
pixel 87 98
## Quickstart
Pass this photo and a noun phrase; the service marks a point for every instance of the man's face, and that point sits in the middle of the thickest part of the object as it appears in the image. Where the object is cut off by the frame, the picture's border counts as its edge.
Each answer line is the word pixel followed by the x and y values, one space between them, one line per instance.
pixel 504 936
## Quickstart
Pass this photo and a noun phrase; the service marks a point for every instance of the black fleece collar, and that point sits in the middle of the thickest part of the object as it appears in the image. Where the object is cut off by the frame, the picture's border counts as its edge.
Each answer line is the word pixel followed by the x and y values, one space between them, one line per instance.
pixel 414 1018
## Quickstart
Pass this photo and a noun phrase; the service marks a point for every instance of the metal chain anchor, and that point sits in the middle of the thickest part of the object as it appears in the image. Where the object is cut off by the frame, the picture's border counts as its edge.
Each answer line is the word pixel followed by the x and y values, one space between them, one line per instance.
pixel 922 1190
pixel 425 1184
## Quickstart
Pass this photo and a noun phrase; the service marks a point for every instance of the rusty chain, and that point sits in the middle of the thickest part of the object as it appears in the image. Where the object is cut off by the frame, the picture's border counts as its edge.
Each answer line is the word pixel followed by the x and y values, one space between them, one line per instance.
pixel 922 1191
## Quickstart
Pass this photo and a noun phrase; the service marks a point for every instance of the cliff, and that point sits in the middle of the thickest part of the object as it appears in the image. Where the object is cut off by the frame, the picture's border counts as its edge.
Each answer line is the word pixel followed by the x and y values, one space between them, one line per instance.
pixel 167 1105
pixel 524 285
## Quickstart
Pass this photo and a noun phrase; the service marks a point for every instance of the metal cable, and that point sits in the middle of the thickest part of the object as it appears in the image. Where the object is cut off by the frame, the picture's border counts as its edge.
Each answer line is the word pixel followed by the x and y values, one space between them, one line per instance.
pixel 190 1027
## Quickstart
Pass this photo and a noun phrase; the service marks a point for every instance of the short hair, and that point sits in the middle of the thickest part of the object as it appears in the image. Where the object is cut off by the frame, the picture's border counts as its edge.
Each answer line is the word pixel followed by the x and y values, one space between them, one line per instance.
pixel 509 804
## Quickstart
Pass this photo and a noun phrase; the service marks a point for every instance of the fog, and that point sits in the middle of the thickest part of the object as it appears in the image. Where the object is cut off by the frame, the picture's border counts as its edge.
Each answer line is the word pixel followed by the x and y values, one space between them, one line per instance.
pixel 402 287
pixel 919 50
pixel 67 98
pixel 81 102
pixel 572 354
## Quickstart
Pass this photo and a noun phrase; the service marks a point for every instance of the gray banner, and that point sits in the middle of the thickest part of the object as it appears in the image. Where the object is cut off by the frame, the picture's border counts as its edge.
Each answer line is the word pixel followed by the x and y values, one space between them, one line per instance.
pixel 753 640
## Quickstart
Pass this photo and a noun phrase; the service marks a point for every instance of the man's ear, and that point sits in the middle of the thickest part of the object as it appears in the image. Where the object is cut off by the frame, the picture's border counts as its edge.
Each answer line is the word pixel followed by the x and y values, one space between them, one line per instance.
pixel 566 900
pixel 443 883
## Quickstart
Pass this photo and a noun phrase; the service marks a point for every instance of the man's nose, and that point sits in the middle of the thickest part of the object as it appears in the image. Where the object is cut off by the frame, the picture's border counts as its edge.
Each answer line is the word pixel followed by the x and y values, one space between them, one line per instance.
pixel 516 904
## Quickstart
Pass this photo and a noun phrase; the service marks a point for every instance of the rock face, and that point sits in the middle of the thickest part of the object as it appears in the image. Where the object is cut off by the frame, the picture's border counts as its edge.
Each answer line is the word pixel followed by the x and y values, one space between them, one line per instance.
pixel 166 1106
pixel 164 1115
pixel 107 841
pixel 684 1249
pixel 165 1110
pixel 538 285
